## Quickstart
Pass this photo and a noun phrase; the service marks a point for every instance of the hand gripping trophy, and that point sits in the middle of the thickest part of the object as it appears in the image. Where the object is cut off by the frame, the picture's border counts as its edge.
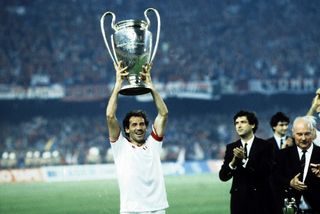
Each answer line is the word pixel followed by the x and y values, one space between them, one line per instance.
pixel 131 43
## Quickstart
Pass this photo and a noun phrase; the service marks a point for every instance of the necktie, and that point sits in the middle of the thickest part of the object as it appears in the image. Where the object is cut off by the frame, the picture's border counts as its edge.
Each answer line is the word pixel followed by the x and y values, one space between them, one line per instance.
pixel 281 143
pixel 245 151
pixel 302 164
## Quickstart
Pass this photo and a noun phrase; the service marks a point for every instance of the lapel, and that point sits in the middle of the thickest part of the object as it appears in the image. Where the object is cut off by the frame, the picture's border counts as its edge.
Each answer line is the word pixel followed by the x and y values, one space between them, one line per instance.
pixel 275 144
pixel 315 158
pixel 295 158
pixel 254 148
pixel 236 144
pixel 254 152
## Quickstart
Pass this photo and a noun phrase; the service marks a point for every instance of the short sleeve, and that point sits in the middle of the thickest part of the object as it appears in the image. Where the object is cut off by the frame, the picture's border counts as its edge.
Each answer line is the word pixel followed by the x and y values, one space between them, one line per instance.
pixel 118 144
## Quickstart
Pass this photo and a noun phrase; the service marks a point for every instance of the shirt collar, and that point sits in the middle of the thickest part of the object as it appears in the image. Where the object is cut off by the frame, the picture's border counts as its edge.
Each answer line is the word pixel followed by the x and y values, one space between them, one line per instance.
pixel 309 150
pixel 278 139
pixel 249 142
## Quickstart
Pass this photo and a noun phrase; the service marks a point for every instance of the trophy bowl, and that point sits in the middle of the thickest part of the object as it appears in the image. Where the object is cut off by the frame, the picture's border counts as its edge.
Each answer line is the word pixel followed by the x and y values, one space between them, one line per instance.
pixel 131 44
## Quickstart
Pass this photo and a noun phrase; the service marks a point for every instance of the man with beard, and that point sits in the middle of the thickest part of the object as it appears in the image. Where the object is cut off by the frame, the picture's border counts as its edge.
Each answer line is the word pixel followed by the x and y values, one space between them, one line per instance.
pixel 248 161
pixel 137 157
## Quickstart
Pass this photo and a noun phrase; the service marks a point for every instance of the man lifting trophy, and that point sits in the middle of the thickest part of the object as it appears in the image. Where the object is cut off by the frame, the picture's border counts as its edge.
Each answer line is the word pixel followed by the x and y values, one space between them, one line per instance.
pixel 131 45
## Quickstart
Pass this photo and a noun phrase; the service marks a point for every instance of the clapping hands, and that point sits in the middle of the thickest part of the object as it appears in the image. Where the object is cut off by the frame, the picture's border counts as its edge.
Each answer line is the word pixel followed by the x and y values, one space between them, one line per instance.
pixel 315 169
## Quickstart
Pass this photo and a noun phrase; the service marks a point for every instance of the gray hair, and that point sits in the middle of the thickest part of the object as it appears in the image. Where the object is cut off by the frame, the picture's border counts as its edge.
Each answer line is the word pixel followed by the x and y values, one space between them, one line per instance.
pixel 309 120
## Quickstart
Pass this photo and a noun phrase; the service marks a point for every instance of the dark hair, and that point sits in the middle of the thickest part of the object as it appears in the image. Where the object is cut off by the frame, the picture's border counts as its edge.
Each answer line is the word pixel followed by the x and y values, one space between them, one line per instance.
pixel 137 113
pixel 278 117
pixel 251 116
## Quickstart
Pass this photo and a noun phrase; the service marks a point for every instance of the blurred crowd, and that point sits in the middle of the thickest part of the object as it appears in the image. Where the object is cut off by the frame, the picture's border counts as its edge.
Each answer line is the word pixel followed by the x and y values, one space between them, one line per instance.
pixel 47 42
pixel 43 141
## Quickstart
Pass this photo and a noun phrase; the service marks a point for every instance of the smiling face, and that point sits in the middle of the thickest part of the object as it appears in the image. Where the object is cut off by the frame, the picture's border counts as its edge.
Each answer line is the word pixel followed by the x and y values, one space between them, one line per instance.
pixel 281 128
pixel 136 130
pixel 303 134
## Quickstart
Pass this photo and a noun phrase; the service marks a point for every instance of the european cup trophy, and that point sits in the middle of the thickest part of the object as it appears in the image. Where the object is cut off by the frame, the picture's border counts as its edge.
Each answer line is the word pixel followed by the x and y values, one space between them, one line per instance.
pixel 131 43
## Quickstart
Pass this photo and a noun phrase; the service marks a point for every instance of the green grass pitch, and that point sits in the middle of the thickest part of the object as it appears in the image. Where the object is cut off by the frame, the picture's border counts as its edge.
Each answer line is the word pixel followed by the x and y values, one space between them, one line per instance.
pixel 201 194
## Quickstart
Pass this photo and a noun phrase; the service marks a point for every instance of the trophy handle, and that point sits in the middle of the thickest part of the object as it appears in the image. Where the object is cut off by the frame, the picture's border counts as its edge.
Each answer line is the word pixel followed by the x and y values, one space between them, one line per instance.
pixel 158 30
pixel 113 57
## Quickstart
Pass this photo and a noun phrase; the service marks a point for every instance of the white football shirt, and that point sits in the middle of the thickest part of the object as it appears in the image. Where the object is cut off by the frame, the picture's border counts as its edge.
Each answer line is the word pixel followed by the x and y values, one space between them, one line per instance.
pixel 140 176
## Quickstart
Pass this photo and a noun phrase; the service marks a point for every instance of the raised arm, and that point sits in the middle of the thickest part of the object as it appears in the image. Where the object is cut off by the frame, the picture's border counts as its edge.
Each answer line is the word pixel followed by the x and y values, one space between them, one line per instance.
pixel 315 106
pixel 112 122
pixel 161 119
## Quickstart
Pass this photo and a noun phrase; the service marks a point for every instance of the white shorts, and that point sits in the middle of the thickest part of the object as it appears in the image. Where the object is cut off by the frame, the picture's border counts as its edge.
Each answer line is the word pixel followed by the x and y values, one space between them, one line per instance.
pixel 150 212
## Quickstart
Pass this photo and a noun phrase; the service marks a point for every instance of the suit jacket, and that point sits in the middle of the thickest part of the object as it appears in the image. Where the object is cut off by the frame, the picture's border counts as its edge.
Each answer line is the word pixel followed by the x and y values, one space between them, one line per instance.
pixel 288 165
pixel 250 189
pixel 277 193
pixel 273 141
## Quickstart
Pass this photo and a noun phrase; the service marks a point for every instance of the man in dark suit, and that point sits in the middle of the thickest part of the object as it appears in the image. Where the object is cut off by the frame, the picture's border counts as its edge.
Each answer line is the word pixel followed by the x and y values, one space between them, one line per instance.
pixel 279 123
pixel 248 161
pixel 296 168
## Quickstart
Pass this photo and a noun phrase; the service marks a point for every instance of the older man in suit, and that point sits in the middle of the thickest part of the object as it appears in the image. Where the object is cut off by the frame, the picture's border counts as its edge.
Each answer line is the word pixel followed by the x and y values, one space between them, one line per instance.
pixel 248 161
pixel 296 168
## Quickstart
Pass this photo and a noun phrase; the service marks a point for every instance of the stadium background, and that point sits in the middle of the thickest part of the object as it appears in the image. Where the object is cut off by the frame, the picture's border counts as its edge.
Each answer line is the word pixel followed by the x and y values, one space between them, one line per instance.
pixel 214 58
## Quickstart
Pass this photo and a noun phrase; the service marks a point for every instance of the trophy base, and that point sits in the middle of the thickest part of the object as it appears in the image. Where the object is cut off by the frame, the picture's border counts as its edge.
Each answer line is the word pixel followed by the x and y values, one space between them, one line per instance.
pixel 130 90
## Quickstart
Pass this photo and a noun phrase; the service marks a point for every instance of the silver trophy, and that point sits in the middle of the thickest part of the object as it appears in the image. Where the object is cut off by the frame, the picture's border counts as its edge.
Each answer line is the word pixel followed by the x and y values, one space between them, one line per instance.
pixel 131 43
pixel 290 207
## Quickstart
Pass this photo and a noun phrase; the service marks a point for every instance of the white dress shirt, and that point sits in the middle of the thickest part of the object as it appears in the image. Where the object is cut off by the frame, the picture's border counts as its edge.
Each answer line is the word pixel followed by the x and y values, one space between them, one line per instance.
pixel 303 204
pixel 244 161
pixel 249 145
pixel 278 140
